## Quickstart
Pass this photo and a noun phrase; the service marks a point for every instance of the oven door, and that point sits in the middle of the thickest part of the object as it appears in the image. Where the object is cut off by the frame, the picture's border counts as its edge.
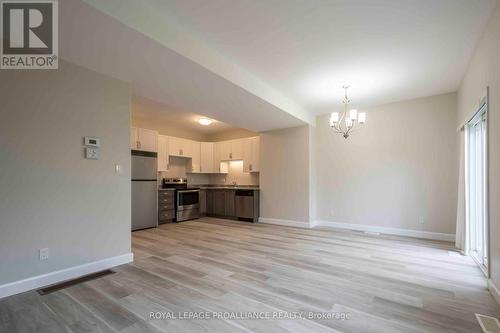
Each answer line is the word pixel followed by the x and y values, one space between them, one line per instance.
pixel 188 199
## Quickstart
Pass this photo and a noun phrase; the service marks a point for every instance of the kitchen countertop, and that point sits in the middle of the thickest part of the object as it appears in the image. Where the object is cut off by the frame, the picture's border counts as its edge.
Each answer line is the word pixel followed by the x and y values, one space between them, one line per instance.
pixel 223 187
pixel 216 187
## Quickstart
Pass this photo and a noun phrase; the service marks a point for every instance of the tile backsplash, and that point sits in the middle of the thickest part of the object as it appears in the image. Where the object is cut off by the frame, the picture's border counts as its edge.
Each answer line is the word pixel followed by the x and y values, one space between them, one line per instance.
pixel 235 174
pixel 177 169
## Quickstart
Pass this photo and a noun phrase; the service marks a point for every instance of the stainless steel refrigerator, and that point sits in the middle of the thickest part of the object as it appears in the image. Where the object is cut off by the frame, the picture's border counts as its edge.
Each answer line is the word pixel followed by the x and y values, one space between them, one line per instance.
pixel 144 190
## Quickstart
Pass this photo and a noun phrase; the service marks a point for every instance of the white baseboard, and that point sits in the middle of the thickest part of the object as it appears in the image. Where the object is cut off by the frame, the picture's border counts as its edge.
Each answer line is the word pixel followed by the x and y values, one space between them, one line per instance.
pixel 287 223
pixel 494 291
pixel 48 279
pixel 385 230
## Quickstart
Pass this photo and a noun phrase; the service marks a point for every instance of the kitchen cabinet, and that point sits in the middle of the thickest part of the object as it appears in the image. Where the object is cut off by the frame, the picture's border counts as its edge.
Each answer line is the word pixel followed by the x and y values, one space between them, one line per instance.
pixel 166 206
pixel 229 198
pixel 133 138
pixel 178 147
pixel 210 202
pixel 194 152
pixel 207 164
pixel 236 149
pixel 230 150
pixel 203 202
pixel 143 139
pixel 219 205
pixel 162 153
pixel 218 158
pixel 241 204
pixel 251 154
pixel 223 150
pixel 204 157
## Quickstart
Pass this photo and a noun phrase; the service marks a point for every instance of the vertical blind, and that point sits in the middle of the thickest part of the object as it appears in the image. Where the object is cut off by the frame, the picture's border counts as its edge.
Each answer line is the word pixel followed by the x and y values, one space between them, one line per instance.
pixel 476 186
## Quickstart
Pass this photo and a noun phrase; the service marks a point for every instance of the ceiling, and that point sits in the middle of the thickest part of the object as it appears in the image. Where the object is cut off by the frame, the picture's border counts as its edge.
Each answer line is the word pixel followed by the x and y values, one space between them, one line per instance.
pixel 263 65
pixel 157 112
pixel 387 50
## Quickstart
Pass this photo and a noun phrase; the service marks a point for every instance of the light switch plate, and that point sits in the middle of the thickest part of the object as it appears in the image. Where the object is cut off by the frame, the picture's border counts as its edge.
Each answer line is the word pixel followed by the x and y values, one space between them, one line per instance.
pixel 91 153
pixel 43 254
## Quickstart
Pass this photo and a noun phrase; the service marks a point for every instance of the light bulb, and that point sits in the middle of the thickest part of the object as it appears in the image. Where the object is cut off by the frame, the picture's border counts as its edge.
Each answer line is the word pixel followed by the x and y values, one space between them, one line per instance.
pixel 353 114
pixel 348 122
pixel 362 117
pixel 334 117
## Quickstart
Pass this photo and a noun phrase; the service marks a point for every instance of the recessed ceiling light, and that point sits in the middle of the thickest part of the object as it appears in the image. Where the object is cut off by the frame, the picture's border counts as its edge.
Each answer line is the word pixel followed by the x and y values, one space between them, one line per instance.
pixel 204 121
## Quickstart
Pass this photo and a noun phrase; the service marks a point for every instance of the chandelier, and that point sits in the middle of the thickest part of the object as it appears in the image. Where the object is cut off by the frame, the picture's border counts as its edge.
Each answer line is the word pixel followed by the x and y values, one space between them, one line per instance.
pixel 347 122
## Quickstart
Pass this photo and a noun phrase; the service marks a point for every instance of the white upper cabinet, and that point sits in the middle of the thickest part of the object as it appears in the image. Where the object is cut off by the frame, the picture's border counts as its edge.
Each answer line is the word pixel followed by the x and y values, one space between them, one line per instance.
pixel 207 164
pixel 230 150
pixel 251 154
pixel 180 147
pixel 236 150
pixel 133 138
pixel 202 157
pixel 223 150
pixel 144 139
pixel 194 153
pixel 162 153
pixel 186 148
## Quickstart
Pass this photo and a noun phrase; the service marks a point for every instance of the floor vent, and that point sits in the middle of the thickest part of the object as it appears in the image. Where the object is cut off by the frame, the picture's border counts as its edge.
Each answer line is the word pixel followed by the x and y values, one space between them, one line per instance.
pixel 69 283
pixel 488 324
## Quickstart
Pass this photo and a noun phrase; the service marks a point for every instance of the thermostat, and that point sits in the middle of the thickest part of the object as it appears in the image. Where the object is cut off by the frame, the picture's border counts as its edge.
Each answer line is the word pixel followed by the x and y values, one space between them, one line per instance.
pixel 92 142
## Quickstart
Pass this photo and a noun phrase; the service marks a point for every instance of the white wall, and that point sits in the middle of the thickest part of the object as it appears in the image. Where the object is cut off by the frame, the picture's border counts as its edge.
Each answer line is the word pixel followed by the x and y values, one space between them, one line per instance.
pixel 399 167
pixel 284 174
pixel 483 71
pixel 50 196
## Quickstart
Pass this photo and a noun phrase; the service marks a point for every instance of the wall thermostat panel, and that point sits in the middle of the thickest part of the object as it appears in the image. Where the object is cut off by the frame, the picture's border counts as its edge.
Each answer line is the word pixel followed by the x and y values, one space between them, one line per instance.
pixel 92 142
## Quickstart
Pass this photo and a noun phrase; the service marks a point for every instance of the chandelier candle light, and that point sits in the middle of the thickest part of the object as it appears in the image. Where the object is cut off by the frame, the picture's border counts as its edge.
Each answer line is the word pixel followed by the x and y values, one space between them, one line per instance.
pixel 346 122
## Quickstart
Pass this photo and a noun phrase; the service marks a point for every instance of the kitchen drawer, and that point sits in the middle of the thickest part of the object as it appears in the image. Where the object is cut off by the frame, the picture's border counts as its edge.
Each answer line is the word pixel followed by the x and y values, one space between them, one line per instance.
pixel 166 194
pixel 165 200
pixel 166 206
pixel 166 215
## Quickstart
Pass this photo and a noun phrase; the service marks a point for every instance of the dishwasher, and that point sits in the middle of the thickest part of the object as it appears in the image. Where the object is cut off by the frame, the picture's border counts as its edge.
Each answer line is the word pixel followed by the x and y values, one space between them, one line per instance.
pixel 247 205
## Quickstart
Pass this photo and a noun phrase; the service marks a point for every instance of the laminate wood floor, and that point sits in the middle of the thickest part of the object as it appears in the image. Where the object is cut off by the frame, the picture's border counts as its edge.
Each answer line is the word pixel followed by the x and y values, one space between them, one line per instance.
pixel 381 283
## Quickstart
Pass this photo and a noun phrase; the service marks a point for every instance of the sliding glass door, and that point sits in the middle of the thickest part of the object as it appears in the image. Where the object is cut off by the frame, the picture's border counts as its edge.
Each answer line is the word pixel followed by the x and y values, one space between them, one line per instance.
pixel 476 188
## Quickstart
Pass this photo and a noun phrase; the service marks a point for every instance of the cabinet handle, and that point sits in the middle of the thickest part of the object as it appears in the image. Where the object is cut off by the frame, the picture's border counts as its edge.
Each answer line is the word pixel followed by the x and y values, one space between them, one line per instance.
pixel 139 144
pixel 250 167
pixel 230 155
pixel 180 151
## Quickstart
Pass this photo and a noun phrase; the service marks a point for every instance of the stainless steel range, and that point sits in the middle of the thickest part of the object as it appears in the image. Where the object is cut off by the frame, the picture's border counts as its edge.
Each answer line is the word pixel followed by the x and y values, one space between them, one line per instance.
pixel 187 199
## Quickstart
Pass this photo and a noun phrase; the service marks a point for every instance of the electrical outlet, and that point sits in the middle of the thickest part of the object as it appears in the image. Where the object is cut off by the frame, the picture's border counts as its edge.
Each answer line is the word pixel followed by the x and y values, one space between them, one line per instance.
pixel 421 220
pixel 44 254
